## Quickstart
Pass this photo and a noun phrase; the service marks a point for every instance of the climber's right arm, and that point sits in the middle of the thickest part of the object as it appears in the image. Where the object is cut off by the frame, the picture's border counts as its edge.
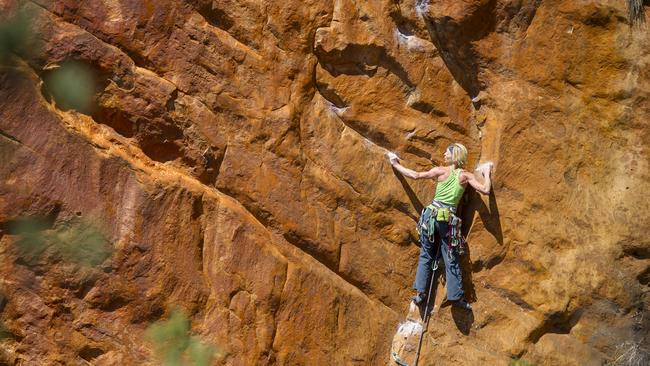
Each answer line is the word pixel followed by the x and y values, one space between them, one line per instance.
pixel 409 173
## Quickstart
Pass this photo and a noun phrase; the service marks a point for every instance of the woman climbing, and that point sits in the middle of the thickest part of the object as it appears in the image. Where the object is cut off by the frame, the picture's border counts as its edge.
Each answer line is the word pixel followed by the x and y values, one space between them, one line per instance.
pixel 439 226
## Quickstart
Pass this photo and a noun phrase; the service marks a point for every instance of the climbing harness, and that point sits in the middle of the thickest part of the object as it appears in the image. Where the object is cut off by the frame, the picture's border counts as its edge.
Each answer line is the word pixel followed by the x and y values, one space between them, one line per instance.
pixel 438 211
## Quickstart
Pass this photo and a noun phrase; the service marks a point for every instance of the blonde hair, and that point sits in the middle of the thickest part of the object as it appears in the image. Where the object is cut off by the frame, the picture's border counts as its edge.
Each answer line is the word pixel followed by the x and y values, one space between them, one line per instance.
pixel 458 154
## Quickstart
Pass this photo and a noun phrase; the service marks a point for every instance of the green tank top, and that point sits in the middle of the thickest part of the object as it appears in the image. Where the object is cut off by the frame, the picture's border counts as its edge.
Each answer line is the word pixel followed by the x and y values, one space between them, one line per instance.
pixel 450 191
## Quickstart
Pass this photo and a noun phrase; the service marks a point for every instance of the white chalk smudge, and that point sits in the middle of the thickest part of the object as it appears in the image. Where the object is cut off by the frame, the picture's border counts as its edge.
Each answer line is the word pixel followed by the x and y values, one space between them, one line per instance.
pixel 411 134
pixel 413 97
pixel 127 210
pixel 421 7
pixel 336 110
pixel 339 110
pixel 412 42
pixel 484 166
pixel 401 36
pixel 409 328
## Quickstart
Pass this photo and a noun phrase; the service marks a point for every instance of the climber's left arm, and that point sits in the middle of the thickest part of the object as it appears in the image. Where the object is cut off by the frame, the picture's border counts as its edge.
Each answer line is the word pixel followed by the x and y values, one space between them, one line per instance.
pixel 485 187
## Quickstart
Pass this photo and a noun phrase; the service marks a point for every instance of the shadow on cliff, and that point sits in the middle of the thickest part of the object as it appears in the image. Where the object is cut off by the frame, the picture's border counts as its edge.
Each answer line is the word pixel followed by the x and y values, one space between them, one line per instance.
pixel 415 201
pixel 463 319
pixel 454 35
pixel 361 59
pixel 453 38
pixel 470 206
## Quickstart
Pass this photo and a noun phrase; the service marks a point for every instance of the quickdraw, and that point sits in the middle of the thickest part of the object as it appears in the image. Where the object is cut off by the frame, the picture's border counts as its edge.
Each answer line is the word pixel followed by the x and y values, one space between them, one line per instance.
pixel 455 237
pixel 425 223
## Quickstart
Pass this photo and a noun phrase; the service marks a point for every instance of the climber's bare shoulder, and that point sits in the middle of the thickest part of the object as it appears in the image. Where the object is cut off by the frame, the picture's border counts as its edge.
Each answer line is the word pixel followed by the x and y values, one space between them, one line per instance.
pixel 470 178
pixel 433 173
pixel 465 177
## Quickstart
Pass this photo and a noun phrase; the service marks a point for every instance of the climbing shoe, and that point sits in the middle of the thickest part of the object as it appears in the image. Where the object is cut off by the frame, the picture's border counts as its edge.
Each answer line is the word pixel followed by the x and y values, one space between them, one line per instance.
pixel 461 304
pixel 420 298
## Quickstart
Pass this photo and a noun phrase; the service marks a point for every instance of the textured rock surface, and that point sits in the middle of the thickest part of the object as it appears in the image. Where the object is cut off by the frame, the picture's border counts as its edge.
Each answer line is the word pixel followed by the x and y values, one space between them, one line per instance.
pixel 235 163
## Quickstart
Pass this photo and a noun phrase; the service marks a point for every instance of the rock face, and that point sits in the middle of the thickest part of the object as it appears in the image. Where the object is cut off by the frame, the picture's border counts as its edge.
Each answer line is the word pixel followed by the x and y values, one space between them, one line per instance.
pixel 234 161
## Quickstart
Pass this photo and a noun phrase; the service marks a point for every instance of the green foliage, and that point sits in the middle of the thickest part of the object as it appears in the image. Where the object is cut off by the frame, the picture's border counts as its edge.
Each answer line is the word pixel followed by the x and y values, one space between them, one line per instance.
pixel 72 85
pixel 83 243
pixel 200 353
pixel 15 34
pixel 175 346
pixel 31 238
pixel 80 242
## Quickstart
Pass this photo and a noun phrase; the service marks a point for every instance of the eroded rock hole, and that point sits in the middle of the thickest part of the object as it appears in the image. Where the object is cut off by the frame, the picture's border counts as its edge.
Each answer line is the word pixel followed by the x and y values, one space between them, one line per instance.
pixel 164 142
pixel 405 25
pixel 360 59
pixel 215 16
pixel 89 353
pixel 644 277
pixel 117 119
pixel 330 95
pixel 162 151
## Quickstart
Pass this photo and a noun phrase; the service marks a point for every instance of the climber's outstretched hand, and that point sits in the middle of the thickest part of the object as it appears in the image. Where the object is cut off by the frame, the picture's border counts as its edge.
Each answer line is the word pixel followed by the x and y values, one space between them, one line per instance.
pixel 409 173
pixel 392 157
pixel 485 169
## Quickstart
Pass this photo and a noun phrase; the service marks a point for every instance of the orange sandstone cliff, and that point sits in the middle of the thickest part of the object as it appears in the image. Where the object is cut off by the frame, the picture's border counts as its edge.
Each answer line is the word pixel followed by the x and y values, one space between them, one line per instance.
pixel 234 160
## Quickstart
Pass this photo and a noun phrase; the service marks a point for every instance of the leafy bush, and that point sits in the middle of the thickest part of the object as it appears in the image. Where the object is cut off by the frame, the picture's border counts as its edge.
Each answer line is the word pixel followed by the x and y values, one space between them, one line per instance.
pixel 15 33
pixel 175 346
pixel 79 242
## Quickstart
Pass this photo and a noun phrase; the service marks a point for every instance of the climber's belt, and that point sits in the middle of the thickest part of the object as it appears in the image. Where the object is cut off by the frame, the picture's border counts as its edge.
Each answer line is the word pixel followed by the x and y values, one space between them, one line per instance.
pixel 436 211
pixel 439 212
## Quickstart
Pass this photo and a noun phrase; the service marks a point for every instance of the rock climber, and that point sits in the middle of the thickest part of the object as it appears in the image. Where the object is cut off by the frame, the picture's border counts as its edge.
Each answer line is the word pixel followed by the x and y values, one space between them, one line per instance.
pixel 439 225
